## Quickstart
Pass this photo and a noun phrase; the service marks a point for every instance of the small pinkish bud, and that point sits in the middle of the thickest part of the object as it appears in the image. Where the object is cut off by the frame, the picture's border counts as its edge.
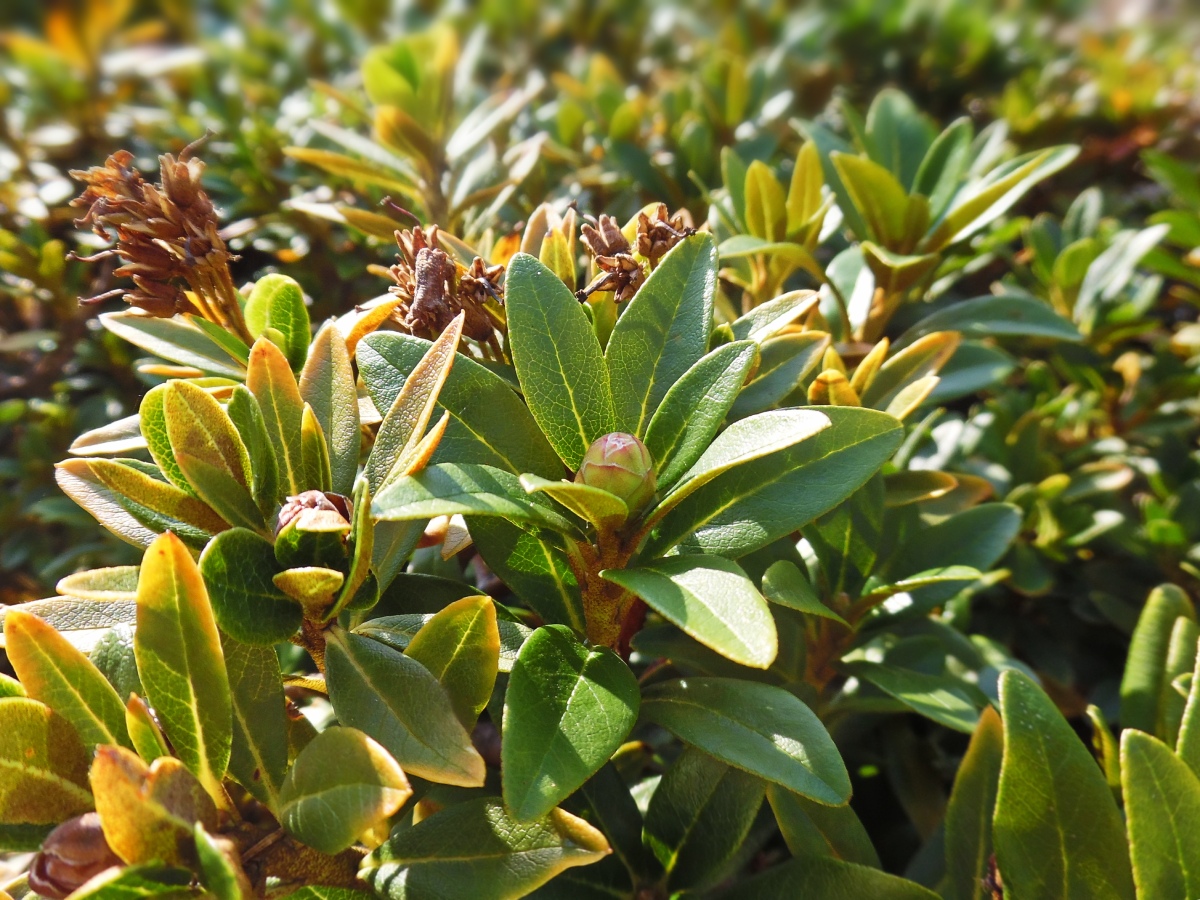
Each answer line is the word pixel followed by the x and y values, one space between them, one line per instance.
pixel 620 464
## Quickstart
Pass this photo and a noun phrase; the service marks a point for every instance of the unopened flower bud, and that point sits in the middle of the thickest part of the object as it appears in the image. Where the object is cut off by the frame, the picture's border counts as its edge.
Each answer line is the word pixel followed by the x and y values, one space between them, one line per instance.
pixel 311 502
pixel 71 855
pixel 620 464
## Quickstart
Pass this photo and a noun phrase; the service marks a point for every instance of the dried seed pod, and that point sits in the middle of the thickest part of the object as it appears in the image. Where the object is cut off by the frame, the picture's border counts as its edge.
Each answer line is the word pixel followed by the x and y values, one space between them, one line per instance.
pixel 658 233
pixel 619 272
pixel 72 854
pixel 165 235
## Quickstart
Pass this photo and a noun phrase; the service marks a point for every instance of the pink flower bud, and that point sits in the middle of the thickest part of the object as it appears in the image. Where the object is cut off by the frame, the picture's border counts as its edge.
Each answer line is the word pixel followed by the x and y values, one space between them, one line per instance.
pixel 620 464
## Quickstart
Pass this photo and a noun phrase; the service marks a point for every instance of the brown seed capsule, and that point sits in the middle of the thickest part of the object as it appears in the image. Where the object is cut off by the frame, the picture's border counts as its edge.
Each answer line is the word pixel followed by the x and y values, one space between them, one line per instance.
pixel 619 271
pixel 658 233
pixel 72 854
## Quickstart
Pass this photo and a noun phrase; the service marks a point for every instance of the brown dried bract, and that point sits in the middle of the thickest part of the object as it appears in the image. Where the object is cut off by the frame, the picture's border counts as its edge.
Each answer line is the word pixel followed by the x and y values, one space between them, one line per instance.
pixel 658 233
pixel 434 288
pixel 166 236
pixel 613 255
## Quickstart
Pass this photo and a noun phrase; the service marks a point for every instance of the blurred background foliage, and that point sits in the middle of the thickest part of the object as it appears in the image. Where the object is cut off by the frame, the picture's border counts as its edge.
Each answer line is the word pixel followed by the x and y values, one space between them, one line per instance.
pixel 333 122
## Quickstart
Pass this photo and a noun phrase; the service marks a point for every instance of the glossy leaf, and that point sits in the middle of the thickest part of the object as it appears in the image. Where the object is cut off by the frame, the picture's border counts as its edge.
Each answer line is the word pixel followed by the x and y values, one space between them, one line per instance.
pixel 759 728
pixel 662 332
pixel 711 599
pixel 1056 831
pixel 270 380
pixel 830 879
pixel 694 408
pixel 566 711
pixel 760 501
pixel 145 735
pixel 592 504
pixel 82 622
pixel 558 360
pixel 153 421
pixel 210 453
pixel 1162 805
pixel 937 697
pixel 969 816
pixel 149 813
pixel 1143 681
pixel 59 675
pixel 396 700
pixel 238 566
pixel 327 385
pixel 43 765
pixel 470 490
pixel 276 302
pixel 342 784
pixel 460 646
pixel 698 817
pixel 476 849
pixel 177 340
pixel 247 418
pixel 784 584
pixel 489 424
pixel 811 829
pixel 179 657
pixel 259 752
pixel 994 316
pixel 138 491
pixel 784 361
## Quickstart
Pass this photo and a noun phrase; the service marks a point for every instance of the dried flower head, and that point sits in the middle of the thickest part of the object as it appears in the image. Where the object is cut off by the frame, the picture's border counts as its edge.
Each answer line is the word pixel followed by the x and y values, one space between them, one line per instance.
pixel 434 289
pixel 658 233
pixel 619 272
pixel 166 236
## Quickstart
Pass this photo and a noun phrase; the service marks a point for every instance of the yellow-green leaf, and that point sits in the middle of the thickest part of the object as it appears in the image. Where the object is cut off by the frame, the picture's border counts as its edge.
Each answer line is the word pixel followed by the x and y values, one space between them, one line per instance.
pixel 43 765
pixel 460 646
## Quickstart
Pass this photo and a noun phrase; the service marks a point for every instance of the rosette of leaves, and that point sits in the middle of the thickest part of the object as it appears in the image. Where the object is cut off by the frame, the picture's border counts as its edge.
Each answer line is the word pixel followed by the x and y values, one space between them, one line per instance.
pixel 910 197
pixel 450 161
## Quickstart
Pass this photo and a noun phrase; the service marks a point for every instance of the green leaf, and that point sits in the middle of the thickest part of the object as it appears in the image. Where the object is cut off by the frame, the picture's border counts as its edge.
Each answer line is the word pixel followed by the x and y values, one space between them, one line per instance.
pixel 1162 805
pixel 137 490
pixel 43 765
pixel 154 429
pixel 711 599
pixel 993 196
pixel 755 503
pixel 132 882
pixel 768 319
pixel 592 504
pixel 238 566
pixel 219 873
pixel 1188 745
pixel 59 675
pixel 829 879
pixel 149 813
pixel 210 453
pixel 471 490
pixel 785 360
pixel 314 453
pixel 558 360
pixel 766 204
pixel 396 700
pixel 535 566
pixel 475 849
pixel 893 218
pixel 847 539
pixel 327 385
pixel 403 427
pixel 784 584
pixel 922 358
pixel 362 542
pixel 259 753
pixel 944 165
pixel 113 656
pixel 460 646
pixel 743 442
pixel 82 622
pixel 147 738
pixel 566 711
pixel 329 893
pixel 694 409
pixel 341 785
pixel 1057 832
pixel 179 657
pixel 699 815
pixel 489 424
pixel 277 302
pixel 937 697
pixel 273 385
pixel 226 340
pixel 760 728
pixel 810 829
pixel 662 332
pixel 1145 666
pixel 617 814
pixel 111 583
pixel 996 316
pixel 247 418
pixel 177 340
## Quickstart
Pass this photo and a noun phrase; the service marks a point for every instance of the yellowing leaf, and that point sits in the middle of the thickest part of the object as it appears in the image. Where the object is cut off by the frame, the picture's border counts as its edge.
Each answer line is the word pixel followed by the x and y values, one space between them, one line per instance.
pixel 43 765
